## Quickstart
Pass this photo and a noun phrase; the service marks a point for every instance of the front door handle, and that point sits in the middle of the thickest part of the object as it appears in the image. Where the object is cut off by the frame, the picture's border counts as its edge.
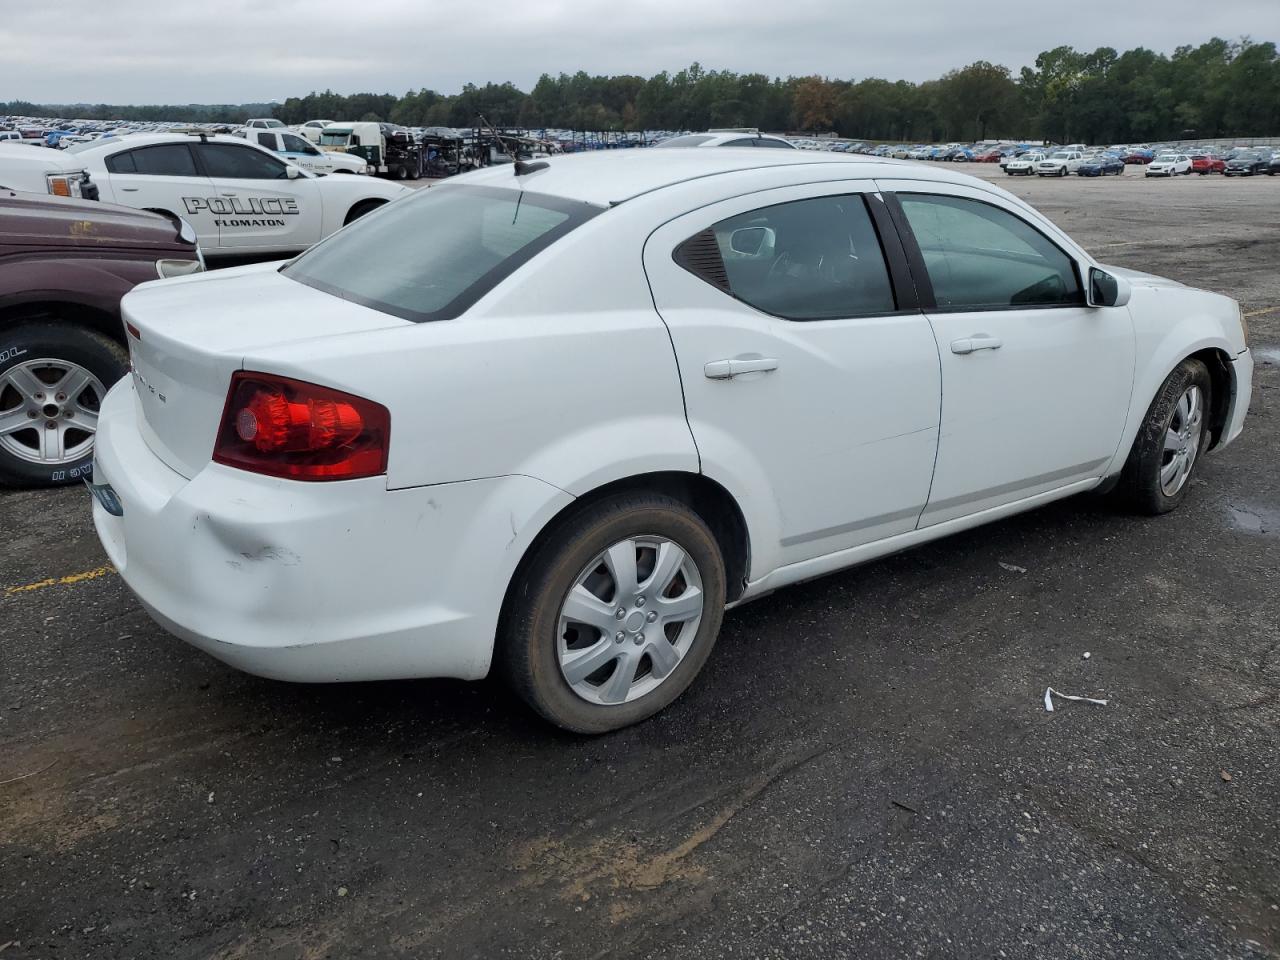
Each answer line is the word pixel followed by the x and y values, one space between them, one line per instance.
pixel 979 341
pixel 129 189
pixel 728 369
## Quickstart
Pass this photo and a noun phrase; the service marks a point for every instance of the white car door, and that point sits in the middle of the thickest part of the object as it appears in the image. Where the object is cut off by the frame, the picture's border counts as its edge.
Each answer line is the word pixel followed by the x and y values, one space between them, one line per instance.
pixel 810 377
pixel 263 203
pixel 1035 384
pixel 161 176
pixel 305 155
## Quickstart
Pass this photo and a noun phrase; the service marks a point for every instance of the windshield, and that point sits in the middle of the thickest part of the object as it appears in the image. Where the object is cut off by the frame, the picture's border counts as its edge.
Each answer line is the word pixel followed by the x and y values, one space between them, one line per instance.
pixel 432 255
pixel 338 139
pixel 1061 155
pixel 1166 158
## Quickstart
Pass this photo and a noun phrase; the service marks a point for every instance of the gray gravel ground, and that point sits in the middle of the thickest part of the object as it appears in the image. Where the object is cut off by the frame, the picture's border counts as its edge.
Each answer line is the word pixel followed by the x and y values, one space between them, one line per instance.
pixel 864 770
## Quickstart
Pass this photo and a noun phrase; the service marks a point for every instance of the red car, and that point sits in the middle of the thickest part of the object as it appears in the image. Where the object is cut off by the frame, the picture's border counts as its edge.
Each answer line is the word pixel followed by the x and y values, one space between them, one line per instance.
pixel 1203 163
pixel 987 156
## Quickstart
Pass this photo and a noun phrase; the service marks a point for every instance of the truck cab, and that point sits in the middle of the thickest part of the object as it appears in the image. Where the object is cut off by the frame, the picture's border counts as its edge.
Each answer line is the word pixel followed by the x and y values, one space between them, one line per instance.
pixel 44 171
pixel 306 155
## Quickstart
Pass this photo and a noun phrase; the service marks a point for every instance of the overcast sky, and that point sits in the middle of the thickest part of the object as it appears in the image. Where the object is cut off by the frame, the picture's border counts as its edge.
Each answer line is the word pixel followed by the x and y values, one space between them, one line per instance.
pixel 233 51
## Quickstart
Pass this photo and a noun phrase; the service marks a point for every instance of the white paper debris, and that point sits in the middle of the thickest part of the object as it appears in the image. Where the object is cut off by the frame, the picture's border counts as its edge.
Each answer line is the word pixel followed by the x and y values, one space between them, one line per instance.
pixel 1050 693
pixel 1012 567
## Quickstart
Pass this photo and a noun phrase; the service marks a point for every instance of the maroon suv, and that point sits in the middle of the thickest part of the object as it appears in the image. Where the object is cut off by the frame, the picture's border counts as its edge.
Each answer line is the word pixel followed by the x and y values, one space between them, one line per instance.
pixel 64 265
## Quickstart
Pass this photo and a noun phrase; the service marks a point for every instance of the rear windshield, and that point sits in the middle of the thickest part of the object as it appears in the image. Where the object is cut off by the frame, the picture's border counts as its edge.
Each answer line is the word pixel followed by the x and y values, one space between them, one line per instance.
pixel 432 255
pixel 692 140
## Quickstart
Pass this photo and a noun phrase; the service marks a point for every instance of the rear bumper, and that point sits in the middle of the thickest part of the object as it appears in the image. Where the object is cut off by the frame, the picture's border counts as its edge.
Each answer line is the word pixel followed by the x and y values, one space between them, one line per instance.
pixel 315 581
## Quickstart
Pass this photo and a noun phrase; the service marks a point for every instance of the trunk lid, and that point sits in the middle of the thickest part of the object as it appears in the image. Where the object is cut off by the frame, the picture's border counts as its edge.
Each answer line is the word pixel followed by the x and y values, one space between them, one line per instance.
pixel 192 334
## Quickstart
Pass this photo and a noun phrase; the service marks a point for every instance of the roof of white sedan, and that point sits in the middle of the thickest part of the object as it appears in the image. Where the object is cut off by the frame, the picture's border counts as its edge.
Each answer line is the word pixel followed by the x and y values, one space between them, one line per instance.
pixel 112 144
pixel 612 176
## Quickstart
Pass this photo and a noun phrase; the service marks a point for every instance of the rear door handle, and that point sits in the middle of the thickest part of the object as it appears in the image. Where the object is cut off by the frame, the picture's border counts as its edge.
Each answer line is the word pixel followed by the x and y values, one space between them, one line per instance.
pixel 728 369
pixel 129 189
pixel 979 341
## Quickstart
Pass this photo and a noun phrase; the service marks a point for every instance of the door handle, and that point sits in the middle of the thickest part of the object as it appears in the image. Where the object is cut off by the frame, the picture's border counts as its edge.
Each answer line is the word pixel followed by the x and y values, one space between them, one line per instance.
pixel 728 369
pixel 979 341
pixel 129 189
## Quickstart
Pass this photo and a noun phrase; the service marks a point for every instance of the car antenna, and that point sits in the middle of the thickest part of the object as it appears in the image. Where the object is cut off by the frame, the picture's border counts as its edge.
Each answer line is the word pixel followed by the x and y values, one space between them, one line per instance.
pixel 520 166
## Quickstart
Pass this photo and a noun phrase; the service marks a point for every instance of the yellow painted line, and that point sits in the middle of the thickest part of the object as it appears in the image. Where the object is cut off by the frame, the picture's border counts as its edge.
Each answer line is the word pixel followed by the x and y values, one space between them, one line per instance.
pixel 69 580
pixel 1258 313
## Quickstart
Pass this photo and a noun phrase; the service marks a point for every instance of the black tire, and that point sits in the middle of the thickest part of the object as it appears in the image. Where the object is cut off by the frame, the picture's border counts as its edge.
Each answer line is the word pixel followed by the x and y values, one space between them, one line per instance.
pixel 361 208
pixel 402 172
pixel 527 634
pixel 1140 482
pixel 101 356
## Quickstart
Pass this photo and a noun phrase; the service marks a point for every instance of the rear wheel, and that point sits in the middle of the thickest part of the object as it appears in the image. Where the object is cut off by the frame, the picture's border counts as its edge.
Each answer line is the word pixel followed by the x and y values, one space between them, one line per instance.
pixel 1170 442
pixel 614 614
pixel 52 382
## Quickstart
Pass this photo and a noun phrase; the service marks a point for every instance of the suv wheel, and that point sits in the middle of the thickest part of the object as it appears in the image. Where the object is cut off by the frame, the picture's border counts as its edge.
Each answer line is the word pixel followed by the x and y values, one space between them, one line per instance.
pixel 52 383
pixel 614 614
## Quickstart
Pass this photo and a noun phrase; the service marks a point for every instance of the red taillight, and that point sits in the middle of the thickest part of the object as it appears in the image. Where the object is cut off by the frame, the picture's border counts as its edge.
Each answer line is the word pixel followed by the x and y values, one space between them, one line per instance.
pixel 288 428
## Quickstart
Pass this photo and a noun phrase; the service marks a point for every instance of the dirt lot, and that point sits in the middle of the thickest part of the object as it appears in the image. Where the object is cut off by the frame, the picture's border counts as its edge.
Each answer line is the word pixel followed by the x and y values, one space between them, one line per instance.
pixel 865 768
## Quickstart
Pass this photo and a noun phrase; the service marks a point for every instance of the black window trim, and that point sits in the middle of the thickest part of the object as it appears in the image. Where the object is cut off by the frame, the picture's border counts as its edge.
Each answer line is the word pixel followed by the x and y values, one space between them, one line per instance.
pixel 920 272
pixel 904 293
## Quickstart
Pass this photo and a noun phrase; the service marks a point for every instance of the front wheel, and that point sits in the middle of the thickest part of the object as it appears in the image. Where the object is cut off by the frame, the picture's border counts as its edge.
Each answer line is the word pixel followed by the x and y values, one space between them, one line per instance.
pixel 614 614
pixel 1171 441
pixel 53 378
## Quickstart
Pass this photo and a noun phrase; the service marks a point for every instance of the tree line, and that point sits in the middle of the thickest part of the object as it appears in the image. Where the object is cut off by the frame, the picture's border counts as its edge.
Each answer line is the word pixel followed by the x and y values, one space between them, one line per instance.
pixel 1218 89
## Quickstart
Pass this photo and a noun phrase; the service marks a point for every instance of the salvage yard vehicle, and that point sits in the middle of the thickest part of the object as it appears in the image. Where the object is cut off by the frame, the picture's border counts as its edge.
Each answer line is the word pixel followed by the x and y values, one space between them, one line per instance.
pixel 1247 163
pixel 64 265
pixel 306 155
pixel 311 129
pixel 770 342
pixel 1206 163
pixel 386 149
pixel 1024 165
pixel 240 197
pixel 1168 165
pixel 51 172
pixel 1060 163
pixel 732 138
pixel 1104 164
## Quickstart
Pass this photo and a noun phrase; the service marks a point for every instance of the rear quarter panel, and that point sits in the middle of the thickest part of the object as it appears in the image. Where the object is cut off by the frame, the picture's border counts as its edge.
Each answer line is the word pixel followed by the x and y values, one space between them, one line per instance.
pixel 565 373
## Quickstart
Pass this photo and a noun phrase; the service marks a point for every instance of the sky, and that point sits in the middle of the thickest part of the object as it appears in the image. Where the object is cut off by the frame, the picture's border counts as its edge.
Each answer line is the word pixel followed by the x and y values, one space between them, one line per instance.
pixel 243 51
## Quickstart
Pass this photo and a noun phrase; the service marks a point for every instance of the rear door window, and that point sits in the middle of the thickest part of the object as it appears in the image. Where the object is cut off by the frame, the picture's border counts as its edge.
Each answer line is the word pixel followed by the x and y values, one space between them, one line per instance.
pixel 162 160
pixel 814 259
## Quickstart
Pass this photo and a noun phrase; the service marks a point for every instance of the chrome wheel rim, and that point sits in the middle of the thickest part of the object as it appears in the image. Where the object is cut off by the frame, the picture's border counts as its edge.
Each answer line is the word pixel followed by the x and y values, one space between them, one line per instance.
pixel 629 619
pixel 49 411
pixel 1182 441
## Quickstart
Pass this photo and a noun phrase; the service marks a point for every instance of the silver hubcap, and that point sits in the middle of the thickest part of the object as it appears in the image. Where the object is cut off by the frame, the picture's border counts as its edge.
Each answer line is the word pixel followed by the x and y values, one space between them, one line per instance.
pixel 629 619
pixel 49 411
pixel 1182 441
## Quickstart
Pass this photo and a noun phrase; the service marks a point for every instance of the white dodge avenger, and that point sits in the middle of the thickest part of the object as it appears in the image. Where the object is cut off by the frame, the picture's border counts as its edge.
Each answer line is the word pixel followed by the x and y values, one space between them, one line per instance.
pixel 552 418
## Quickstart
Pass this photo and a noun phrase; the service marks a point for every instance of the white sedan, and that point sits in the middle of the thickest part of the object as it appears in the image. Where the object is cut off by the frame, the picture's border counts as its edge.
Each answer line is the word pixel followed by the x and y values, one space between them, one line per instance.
pixel 551 418
pixel 239 197
pixel 1169 164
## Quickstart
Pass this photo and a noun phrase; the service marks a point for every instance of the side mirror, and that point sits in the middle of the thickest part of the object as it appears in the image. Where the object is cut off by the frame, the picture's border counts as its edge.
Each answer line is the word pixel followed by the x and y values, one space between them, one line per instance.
pixel 295 173
pixel 752 241
pixel 1107 290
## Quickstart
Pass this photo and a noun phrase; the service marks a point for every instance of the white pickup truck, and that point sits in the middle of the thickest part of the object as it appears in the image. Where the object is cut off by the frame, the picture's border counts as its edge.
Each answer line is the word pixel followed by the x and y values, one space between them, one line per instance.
pixel 306 155
pixel 38 170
